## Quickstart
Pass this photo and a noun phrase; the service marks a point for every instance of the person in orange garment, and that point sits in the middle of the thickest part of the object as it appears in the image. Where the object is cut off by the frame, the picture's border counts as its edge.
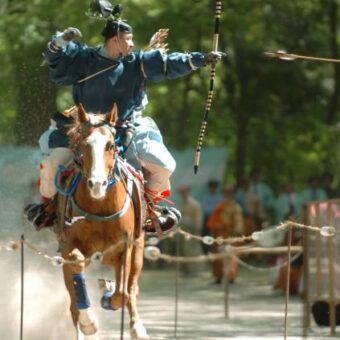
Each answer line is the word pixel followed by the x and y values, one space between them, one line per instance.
pixel 225 221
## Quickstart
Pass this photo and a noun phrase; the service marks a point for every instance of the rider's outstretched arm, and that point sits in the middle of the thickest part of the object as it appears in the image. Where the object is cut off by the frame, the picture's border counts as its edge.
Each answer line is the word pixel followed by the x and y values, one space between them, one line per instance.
pixel 157 65
pixel 66 59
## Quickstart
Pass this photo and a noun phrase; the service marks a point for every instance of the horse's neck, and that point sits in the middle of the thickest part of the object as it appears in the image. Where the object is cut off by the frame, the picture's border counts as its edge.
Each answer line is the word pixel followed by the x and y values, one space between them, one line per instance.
pixel 112 202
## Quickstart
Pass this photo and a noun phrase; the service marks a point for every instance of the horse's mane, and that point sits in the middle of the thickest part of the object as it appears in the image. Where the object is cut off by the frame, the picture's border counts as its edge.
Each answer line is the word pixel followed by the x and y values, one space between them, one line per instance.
pixel 74 129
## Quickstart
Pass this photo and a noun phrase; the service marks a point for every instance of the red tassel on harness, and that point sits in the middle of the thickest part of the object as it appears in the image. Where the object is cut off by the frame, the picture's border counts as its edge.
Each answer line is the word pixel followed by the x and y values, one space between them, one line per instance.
pixel 154 197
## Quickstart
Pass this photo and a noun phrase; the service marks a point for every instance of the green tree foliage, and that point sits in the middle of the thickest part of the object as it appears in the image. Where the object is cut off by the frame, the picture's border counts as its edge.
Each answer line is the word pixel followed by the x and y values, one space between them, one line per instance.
pixel 271 114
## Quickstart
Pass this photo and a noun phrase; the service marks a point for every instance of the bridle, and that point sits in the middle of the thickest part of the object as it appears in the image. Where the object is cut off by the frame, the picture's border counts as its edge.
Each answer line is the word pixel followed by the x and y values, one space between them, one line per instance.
pixel 113 178
pixel 84 131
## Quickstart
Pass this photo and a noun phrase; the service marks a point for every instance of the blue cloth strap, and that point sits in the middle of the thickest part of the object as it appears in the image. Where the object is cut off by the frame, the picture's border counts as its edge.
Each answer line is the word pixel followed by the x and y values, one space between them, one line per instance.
pixel 72 187
pixel 82 298
pixel 105 301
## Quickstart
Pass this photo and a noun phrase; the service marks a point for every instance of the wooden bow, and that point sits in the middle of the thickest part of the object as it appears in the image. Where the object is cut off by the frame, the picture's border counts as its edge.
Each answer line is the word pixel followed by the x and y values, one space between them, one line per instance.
pixel 218 9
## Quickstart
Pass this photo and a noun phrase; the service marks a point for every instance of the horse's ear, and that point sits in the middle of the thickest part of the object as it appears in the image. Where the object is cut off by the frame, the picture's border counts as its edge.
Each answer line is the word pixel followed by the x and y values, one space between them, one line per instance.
pixel 113 115
pixel 83 117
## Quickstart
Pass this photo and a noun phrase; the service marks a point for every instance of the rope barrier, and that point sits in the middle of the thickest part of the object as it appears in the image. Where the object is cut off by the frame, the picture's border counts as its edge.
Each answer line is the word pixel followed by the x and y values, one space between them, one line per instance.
pixel 209 240
pixel 266 269
pixel 326 231
pixel 96 257
pixel 153 253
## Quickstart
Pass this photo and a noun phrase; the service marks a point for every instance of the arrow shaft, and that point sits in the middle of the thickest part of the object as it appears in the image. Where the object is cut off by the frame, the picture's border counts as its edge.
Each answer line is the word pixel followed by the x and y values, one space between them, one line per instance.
pixel 293 57
pixel 330 60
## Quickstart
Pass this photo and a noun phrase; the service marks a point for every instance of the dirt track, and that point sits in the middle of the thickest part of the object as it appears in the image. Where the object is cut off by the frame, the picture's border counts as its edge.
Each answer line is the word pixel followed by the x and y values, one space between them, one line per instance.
pixel 256 312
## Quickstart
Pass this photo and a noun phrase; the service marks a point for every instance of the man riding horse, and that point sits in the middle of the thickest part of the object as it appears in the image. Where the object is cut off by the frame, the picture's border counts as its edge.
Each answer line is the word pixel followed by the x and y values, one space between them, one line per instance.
pixel 108 74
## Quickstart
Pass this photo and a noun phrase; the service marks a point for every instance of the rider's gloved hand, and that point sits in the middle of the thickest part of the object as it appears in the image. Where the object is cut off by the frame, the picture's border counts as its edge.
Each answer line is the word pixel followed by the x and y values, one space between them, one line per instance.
pixel 213 57
pixel 61 39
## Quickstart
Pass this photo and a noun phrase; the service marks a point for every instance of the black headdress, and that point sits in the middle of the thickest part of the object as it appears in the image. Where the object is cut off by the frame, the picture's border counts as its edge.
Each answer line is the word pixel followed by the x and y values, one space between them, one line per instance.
pixel 102 9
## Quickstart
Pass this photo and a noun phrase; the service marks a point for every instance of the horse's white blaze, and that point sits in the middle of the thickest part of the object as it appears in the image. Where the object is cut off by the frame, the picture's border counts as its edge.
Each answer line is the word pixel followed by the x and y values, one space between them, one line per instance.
pixel 98 176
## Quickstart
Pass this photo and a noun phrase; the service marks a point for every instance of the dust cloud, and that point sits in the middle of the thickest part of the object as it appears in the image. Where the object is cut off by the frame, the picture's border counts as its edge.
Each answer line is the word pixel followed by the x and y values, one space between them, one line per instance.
pixel 46 314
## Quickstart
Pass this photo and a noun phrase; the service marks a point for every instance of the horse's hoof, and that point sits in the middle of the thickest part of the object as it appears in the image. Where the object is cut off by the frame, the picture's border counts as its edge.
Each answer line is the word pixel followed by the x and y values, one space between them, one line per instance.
pixel 117 302
pixel 89 329
pixel 138 331
pixel 88 323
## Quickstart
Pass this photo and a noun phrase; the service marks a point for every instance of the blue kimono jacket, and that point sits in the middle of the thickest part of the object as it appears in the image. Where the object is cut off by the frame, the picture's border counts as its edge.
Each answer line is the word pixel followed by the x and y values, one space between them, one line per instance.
pixel 123 84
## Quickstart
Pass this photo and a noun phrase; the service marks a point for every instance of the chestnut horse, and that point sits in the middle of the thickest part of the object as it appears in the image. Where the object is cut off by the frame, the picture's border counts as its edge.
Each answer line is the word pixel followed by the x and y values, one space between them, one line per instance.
pixel 102 219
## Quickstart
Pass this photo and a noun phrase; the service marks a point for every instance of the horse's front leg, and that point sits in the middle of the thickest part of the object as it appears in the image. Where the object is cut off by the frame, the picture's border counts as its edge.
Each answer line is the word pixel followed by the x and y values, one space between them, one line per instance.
pixel 74 277
pixel 137 329
pixel 114 300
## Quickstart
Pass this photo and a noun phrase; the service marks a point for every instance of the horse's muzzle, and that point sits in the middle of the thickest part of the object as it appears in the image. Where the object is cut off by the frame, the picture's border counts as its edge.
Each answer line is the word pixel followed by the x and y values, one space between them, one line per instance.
pixel 97 187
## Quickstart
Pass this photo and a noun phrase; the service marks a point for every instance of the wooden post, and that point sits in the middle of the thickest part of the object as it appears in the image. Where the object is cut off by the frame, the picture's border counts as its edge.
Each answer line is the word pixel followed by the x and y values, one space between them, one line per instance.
pixel 306 292
pixel 287 283
pixel 226 264
pixel 318 255
pixel 22 287
pixel 176 287
pixel 330 253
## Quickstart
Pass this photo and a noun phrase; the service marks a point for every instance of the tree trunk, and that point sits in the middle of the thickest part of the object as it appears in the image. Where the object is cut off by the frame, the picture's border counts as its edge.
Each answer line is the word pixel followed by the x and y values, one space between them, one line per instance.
pixel 235 81
pixel 242 114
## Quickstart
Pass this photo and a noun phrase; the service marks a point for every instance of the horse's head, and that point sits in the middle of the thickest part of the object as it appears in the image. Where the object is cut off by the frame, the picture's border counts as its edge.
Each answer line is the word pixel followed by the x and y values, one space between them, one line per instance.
pixel 94 139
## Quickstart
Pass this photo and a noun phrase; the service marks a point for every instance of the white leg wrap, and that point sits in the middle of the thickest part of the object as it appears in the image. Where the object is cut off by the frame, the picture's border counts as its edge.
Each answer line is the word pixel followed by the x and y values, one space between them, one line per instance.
pixel 49 167
pixel 88 322
pixel 157 178
pixel 138 331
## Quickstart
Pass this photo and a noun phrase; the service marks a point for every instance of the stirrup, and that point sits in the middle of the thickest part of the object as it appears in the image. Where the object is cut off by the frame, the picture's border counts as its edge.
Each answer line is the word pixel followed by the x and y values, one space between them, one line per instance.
pixel 164 222
pixel 41 215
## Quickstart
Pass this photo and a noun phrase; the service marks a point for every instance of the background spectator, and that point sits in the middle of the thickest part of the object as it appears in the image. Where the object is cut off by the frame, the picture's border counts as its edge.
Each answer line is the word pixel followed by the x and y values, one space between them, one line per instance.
pixel 288 207
pixel 251 206
pixel 209 202
pixel 265 195
pixel 313 192
pixel 225 221
pixel 288 204
pixel 327 185
pixel 192 223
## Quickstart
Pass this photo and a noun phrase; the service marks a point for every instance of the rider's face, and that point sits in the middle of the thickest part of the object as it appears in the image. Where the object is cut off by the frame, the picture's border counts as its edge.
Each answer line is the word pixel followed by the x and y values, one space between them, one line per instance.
pixel 122 44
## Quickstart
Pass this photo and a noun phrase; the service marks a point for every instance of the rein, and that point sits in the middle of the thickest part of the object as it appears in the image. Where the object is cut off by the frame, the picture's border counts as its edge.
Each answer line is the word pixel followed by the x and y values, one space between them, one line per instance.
pixel 80 213
pixel 113 178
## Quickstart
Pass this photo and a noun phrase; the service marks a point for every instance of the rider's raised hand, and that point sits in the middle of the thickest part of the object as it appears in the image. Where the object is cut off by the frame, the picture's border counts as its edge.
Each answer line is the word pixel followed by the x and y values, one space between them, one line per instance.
pixel 213 57
pixel 157 41
pixel 71 33
pixel 61 39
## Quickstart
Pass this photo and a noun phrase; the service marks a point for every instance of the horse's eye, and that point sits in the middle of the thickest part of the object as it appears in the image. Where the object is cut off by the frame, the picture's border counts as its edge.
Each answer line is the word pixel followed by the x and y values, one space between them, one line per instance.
pixel 109 146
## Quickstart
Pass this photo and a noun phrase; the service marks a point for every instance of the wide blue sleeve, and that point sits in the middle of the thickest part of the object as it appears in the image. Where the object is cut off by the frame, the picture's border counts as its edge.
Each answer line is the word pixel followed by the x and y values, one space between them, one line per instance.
pixel 157 66
pixel 67 64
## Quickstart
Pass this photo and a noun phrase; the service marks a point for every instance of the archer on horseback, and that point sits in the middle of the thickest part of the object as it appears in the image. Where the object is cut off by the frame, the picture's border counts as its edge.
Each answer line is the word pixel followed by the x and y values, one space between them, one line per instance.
pixel 107 74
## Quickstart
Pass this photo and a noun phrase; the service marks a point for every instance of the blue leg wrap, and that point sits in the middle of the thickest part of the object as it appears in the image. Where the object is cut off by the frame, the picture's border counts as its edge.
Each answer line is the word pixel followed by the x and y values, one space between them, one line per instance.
pixel 80 290
pixel 105 301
